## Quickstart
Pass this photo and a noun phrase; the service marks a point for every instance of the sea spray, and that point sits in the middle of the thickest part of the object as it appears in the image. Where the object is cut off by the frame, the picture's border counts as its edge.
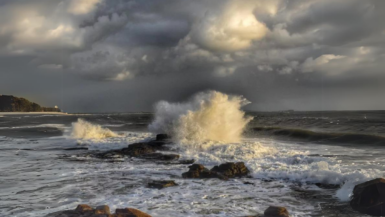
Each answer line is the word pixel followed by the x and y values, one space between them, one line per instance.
pixel 207 116
pixel 86 130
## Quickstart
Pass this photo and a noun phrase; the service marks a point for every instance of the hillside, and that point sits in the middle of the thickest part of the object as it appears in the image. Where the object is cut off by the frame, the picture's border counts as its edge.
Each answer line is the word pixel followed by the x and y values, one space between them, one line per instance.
pixel 16 104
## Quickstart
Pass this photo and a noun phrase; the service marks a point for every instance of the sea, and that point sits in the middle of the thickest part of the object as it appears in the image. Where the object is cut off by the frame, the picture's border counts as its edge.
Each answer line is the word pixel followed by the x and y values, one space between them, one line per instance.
pixel 308 162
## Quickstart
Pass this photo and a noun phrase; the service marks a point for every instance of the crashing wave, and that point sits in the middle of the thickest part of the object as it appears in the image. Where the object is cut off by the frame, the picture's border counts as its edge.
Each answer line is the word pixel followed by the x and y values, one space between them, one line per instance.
pixel 207 116
pixel 86 130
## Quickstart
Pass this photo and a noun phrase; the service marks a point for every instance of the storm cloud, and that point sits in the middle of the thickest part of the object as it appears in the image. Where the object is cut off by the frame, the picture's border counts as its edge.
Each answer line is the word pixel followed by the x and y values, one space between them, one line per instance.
pixel 280 54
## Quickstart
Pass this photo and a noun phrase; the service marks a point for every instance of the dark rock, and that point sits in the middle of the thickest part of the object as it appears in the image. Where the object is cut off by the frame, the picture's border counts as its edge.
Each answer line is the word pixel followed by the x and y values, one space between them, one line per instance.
pixel 162 184
pixel 162 137
pixel 327 186
pixel 276 211
pixel 138 149
pixel 231 170
pixel 130 212
pixel 160 156
pixel 84 210
pixel 73 149
pixel 102 210
pixel 198 171
pixel 369 197
pixel 248 183
pixel 157 144
pixel 190 161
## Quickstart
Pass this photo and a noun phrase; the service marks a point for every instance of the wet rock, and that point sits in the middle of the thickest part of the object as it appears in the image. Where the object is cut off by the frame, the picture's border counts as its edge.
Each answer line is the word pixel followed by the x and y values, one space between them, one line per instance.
pixel 130 212
pixel 369 197
pixel 73 149
pixel 276 211
pixel 102 210
pixel 190 161
pixel 248 183
pixel 232 170
pixel 161 157
pixel 327 186
pixel 162 184
pixel 138 149
pixel 157 144
pixel 84 210
pixel 198 171
pixel 162 137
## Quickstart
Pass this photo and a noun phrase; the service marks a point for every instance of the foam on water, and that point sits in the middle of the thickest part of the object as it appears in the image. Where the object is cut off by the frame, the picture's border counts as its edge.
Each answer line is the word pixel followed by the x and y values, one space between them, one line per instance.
pixel 269 160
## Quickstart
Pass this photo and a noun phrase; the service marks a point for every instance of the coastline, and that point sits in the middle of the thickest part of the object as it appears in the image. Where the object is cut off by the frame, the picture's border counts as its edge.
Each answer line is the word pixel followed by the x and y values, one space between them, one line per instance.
pixel 33 113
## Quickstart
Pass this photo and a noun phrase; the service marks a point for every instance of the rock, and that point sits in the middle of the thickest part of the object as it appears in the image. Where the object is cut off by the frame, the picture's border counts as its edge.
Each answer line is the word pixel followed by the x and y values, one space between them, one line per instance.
pixel 102 210
pixel 369 197
pixel 276 211
pixel 327 186
pixel 190 161
pixel 160 156
pixel 201 172
pixel 157 144
pixel 162 137
pixel 130 212
pixel 232 170
pixel 162 184
pixel 138 149
pixel 84 210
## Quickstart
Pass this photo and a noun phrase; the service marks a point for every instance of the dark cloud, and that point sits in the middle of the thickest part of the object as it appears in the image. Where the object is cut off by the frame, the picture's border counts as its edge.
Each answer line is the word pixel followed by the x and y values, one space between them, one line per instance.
pixel 121 55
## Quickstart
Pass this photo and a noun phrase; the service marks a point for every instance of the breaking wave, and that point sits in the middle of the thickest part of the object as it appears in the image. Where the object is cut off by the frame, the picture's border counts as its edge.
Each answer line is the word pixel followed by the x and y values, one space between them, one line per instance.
pixel 86 130
pixel 326 137
pixel 207 116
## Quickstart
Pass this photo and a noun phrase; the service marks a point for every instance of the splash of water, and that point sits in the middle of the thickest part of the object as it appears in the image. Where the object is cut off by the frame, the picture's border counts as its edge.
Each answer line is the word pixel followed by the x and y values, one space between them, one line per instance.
pixel 207 116
pixel 86 130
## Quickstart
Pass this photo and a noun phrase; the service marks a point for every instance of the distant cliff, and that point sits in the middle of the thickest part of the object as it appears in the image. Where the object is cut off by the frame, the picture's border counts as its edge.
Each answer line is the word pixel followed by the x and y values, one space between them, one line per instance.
pixel 15 104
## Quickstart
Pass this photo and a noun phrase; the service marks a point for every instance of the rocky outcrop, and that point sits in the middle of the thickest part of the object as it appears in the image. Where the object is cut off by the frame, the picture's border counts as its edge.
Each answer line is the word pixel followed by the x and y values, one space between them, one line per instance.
pixel 162 184
pixel 223 171
pixel 144 150
pixel 369 197
pixel 84 210
pixel 16 104
pixel 276 211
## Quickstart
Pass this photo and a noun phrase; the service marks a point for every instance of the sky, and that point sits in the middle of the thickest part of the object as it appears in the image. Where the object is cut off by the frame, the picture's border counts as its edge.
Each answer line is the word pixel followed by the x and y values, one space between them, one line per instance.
pixel 125 55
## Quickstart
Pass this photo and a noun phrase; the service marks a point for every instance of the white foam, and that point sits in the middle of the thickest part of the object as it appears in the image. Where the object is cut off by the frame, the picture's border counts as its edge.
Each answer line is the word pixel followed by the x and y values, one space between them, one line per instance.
pixel 280 161
pixel 86 130
pixel 207 116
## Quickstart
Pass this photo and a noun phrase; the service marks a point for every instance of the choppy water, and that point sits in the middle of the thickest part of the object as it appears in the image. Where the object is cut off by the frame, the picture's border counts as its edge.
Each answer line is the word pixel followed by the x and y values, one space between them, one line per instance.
pixel 289 154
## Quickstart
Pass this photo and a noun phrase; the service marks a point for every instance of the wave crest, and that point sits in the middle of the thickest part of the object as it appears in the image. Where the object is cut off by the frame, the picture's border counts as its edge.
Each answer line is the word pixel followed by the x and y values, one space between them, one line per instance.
pixel 86 130
pixel 207 116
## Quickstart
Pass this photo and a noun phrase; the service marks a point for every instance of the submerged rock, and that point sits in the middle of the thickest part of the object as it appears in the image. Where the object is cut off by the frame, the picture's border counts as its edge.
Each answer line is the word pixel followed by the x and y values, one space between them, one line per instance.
pixel 162 184
pixel 369 197
pixel 84 210
pixel 276 211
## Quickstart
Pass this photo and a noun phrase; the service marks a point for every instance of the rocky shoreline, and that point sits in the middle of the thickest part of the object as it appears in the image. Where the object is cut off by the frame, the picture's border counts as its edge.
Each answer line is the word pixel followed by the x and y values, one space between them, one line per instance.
pixel 368 198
